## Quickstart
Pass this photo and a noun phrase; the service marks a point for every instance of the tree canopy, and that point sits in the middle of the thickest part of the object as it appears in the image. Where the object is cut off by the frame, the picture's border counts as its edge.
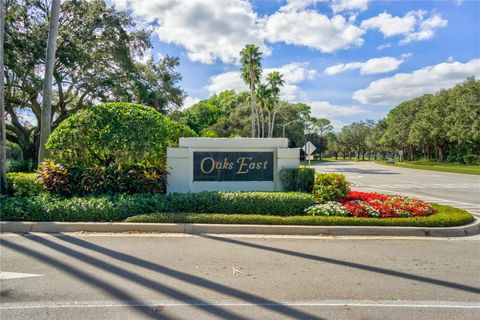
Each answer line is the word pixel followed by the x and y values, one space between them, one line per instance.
pixel 100 57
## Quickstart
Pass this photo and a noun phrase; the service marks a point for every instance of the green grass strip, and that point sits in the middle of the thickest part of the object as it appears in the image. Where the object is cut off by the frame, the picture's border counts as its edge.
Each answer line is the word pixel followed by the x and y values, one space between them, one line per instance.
pixel 435 166
pixel 446 216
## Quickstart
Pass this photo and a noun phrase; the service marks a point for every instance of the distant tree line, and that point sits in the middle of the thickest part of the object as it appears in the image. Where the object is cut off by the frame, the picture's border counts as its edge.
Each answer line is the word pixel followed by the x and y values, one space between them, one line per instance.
pixel 441 127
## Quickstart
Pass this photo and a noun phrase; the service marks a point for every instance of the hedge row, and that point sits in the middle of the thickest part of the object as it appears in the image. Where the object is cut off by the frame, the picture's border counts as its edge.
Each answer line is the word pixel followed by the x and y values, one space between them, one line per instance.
pixel 445 217
pixel 47 207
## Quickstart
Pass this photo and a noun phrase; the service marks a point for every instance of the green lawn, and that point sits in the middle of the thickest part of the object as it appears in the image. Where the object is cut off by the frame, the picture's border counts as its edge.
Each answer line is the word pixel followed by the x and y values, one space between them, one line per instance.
pixel 437 166
pixel 446 216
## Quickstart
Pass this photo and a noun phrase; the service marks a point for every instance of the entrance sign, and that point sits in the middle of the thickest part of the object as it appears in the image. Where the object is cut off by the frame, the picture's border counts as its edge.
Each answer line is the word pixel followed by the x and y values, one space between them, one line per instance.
pixel 229 164
pixel 233 166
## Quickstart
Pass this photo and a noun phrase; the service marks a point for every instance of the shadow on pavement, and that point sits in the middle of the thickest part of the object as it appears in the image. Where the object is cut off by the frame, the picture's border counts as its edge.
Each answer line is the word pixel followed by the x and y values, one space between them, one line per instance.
pixel 279 308
pixel 393 273
pixel 77 273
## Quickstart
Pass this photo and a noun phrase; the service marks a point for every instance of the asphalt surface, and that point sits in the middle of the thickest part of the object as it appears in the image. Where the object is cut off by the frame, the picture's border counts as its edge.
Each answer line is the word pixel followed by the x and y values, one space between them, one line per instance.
pixel 458 190
pixel 125 276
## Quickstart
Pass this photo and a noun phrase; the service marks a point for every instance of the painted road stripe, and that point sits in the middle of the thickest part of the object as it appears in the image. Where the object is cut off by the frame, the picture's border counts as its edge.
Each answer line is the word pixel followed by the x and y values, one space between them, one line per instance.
pixel 163 303
pixel 15 275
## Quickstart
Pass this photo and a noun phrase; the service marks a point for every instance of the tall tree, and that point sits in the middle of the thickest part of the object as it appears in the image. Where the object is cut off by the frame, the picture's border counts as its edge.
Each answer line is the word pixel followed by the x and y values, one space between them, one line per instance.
pixel 3 150
pixel 275 80
pixel 263 96
pixel 251 70
pixel 100 56
pixel 46 113
pixel 323 126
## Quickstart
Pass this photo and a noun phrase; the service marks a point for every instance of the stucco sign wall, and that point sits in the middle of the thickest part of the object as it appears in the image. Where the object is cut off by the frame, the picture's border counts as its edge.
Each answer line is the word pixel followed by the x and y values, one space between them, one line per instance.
pixel 228 164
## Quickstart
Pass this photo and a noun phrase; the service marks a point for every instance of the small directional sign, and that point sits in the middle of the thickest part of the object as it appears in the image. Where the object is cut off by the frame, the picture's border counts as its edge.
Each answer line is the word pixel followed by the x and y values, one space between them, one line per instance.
pixel 309 148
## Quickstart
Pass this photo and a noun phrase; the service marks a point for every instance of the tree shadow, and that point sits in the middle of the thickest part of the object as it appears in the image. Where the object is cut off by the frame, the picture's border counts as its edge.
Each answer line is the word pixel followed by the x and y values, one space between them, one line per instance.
pixel 77 273
pixel 271 305
pixel 349 264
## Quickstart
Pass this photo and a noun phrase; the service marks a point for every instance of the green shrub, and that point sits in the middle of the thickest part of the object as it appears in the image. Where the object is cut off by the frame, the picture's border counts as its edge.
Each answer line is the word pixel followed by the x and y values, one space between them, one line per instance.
pixel 114 133
pixel 24 184
pixel 297 179
pixel 48 207
pixel 275 203
pixel 21 166
pixel 99 180
pixel 330 187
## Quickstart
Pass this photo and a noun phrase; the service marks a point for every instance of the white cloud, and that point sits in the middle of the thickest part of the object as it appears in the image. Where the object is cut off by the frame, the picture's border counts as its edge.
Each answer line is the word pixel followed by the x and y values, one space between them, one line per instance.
pixel 294 5
pixel 349 5
pixel 413 26
pixel 426 29
pixel 312 29
pixel 372 66
pixel 406 55
pixel 208 30
pixel 405 86
pixel 384 46
pixel 188 102
pixel 294 73
pixel 324 109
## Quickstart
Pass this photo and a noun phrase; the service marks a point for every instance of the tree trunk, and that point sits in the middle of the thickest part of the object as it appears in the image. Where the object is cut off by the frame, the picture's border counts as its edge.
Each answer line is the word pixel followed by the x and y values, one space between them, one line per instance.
pixel 45 124
pixel 3 131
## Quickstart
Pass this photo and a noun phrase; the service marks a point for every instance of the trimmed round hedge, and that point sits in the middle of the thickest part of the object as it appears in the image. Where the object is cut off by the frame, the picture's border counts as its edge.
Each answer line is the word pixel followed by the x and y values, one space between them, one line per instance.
pixel 114 133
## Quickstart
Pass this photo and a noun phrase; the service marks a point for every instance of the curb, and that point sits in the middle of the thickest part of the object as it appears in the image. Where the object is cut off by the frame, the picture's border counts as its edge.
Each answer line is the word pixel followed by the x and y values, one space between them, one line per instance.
pixel 197 228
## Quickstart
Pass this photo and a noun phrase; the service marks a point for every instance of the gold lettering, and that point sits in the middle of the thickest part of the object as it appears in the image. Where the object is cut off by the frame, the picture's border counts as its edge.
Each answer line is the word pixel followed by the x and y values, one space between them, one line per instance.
pixel 225 164
pixel 242 163
pixel 202 168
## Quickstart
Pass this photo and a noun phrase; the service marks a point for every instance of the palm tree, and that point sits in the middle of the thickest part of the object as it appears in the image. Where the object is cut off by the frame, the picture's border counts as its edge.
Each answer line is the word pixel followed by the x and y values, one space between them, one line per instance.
pixel 3 157
pixel 251 59
pixel 263 96
pixel 275 79
pixel 46 117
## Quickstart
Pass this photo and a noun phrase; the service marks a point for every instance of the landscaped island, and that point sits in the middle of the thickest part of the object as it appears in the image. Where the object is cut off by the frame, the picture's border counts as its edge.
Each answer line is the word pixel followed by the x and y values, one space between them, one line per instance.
pixel 107 163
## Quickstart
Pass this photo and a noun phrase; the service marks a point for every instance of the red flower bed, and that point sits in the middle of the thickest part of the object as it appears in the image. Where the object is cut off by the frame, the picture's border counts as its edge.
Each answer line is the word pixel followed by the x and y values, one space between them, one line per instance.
pixel 370 204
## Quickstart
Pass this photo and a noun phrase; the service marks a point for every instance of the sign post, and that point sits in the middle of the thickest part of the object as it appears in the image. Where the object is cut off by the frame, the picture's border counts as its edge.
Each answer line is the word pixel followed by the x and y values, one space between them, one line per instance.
pixel 309 148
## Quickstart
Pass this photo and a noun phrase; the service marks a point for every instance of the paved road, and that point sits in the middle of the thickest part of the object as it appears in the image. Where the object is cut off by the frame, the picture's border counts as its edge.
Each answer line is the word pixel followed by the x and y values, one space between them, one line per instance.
pixel 458 190
pixel 204 277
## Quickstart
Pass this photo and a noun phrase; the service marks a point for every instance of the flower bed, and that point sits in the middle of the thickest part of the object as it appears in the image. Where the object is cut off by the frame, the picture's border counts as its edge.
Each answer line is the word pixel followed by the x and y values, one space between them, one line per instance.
pixel 372 205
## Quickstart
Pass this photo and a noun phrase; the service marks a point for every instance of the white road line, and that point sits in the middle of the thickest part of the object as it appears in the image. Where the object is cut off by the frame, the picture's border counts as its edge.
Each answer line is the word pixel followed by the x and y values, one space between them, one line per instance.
pixel 14 275
pixel 325 303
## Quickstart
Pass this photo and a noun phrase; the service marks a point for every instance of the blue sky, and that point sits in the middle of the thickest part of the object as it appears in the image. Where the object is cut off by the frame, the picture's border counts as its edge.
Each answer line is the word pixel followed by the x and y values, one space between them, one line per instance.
pixel 348 59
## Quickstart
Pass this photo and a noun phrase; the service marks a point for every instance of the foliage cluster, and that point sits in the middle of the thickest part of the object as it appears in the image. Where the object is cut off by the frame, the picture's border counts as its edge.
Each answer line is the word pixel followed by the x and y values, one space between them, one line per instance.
pixel 48 207
pixel 135 178
pixel 445 217
pixel 297 179
pixel 24 184
pixel 119 134
pixel 330 187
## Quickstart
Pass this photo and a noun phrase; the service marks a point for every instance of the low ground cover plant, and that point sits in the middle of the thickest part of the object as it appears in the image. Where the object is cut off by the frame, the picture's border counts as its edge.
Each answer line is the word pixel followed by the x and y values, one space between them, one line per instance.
pixel 445 216
pixel 373 205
